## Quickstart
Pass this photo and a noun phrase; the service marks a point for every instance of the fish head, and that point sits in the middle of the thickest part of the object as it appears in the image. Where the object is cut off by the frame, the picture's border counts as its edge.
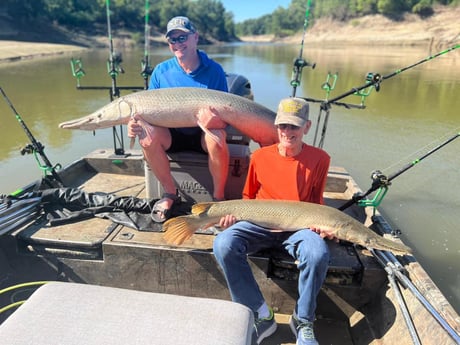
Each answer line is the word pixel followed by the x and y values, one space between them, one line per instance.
pixel 355 232
pixel 115 113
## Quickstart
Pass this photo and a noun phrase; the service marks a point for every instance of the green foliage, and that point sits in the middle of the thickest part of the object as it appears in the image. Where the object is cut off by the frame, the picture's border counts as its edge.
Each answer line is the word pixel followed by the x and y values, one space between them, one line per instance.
pixel 391 8
pixel 210 16
pixel 365 7
pixel 336 9
pixel 424 8
pixel 71 12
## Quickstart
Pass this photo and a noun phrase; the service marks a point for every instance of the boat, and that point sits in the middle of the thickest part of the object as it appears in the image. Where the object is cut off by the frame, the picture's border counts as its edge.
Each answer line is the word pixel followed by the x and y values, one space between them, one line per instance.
pixel 369 296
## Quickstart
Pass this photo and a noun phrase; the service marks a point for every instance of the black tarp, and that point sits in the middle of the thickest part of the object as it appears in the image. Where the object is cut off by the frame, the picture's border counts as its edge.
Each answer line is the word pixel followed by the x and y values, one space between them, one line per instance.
pixel 66 205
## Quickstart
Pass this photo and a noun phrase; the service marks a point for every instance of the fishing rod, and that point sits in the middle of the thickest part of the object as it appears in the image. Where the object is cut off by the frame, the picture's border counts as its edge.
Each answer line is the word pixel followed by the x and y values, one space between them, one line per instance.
pixel 328 86
pixel 373 80
pixel 113 68
pixel 300 63
pixel 382 182
pixel 37 149
pixel 146 68
pixel 395 269
pixel 390 269
pixel 113 64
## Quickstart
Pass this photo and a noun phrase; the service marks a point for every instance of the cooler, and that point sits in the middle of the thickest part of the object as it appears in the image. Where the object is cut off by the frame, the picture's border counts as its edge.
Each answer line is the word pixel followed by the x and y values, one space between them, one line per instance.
pixel 192 177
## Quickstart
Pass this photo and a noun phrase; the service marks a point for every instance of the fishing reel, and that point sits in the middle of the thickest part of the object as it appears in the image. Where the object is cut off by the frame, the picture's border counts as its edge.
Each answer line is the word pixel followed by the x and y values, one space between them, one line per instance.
pixel 380 183
pixel 146 69
pixel 114 64
pixel 299 64
pixel 373 81
pixel 375 78
pixel 379 179
pixel 29 148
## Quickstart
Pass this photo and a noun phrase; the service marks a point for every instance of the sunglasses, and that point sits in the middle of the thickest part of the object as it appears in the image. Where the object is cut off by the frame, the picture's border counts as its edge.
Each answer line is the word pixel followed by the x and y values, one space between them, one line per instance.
pixel 284 126
pixel 178 39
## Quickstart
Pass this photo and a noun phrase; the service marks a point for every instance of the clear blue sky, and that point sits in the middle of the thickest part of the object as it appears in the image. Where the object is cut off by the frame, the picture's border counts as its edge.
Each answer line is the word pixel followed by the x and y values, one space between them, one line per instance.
pixel 251 9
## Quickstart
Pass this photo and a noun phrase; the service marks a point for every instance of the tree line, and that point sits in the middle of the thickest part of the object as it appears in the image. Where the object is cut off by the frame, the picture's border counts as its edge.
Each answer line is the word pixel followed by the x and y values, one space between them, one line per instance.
pixel 286 21
pixel 210 16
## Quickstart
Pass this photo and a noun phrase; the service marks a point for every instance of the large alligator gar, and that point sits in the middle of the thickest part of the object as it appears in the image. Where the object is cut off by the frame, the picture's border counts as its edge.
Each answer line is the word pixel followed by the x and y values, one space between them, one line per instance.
pixel 280 215
pixel 178 107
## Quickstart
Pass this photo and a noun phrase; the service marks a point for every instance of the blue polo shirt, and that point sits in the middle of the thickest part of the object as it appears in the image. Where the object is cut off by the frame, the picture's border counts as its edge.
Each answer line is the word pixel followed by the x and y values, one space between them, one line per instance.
pixel 209 75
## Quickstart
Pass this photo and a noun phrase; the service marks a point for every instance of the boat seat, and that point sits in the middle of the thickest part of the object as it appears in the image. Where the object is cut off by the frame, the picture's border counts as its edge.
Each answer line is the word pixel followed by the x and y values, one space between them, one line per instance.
pixel 70 313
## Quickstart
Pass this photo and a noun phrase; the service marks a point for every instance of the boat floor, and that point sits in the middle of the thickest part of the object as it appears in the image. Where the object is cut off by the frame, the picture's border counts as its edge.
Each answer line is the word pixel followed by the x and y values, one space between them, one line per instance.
pixel 327 331
pixel 96 241
pixel 94 231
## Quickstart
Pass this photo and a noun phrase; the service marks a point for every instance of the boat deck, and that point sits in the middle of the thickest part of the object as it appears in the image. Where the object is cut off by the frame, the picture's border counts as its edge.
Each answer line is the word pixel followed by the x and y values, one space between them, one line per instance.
pixel 98 251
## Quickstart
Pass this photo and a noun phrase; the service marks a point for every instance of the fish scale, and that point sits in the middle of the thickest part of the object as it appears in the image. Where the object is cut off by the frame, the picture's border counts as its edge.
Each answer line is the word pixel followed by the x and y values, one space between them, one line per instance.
pixel 178 107
pixel 280 214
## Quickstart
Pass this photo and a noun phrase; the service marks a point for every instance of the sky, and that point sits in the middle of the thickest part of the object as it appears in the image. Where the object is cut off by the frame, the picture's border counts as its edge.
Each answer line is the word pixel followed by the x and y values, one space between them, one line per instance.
pixel 251 9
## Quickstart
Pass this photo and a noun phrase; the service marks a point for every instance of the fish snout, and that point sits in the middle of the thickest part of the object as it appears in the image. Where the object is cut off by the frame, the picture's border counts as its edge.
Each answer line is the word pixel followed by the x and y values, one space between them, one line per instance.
pixel 84 123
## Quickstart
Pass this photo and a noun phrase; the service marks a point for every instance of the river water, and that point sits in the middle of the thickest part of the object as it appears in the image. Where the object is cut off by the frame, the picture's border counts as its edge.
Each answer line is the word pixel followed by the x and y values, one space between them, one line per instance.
pixel 413 112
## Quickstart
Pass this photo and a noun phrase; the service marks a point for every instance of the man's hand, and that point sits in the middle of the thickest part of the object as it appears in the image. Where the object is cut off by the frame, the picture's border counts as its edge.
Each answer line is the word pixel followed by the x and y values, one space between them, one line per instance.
pixel 227 220
pixel 209 118
pixel 325 234
pixel 135 129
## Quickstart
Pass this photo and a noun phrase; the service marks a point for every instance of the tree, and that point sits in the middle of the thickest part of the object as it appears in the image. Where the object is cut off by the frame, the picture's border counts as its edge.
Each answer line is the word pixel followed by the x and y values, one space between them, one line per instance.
pixel 424 8
pixel 210 16
pixel 391 8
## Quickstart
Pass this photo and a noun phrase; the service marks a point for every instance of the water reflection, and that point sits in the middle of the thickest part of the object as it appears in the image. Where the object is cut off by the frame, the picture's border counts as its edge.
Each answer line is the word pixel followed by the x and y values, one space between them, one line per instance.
pixel 413 112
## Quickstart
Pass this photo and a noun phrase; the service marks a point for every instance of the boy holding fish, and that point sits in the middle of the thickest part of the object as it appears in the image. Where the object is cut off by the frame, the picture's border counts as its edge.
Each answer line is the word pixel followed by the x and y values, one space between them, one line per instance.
pixel 189 67
pixel 289 170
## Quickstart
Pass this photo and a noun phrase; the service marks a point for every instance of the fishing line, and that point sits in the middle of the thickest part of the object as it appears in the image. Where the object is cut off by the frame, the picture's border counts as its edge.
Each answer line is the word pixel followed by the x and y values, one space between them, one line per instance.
pixel 373 80
pixel 381 182
pixel 419 151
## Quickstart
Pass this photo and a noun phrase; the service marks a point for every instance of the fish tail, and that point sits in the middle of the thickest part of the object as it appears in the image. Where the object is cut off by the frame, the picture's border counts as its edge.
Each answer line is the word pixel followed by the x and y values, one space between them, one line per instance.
pixel 179 229
pixel 201 207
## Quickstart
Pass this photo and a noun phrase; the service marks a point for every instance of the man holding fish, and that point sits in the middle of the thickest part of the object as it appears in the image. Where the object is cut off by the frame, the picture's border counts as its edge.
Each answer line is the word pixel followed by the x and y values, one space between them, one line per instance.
pixel 189 67
pixel 288 170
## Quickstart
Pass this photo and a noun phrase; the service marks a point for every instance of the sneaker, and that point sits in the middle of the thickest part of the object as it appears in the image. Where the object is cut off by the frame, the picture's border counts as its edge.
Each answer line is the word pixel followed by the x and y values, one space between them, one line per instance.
pixel 263 328
pixel 303 331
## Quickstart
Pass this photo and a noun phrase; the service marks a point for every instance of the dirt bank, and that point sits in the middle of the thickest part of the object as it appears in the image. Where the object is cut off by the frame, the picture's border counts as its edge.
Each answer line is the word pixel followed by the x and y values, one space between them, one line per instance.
pixel 14 50
pixel 440 31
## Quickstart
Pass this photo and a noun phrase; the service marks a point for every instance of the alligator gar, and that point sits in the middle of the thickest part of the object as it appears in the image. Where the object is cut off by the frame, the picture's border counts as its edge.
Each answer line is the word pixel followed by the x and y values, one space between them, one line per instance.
pixel 279 215
pixel 179 107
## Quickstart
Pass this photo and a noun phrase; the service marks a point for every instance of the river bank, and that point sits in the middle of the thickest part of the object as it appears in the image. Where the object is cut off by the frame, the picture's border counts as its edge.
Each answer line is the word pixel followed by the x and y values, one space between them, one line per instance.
pixel 439 31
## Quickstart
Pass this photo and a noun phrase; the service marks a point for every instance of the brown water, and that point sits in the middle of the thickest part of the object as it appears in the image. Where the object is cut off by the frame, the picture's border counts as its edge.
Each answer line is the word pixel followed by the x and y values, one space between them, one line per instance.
pixel 412 113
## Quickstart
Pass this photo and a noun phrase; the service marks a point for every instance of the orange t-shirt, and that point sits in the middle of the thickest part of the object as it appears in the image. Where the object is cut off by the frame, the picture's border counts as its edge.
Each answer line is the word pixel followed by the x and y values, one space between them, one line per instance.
pixel 299 178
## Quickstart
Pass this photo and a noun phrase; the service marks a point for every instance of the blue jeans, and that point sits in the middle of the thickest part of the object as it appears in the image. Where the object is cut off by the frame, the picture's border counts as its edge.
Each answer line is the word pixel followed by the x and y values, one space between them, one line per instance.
pixel 232 246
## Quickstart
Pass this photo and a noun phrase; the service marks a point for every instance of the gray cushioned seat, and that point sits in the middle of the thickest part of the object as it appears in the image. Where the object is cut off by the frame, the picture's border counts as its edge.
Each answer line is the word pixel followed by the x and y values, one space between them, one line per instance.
pixel 69 313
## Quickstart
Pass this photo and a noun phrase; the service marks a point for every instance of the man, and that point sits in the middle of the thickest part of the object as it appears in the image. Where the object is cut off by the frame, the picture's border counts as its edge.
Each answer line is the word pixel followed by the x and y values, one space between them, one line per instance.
pixel 289 170
pixel 189 67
